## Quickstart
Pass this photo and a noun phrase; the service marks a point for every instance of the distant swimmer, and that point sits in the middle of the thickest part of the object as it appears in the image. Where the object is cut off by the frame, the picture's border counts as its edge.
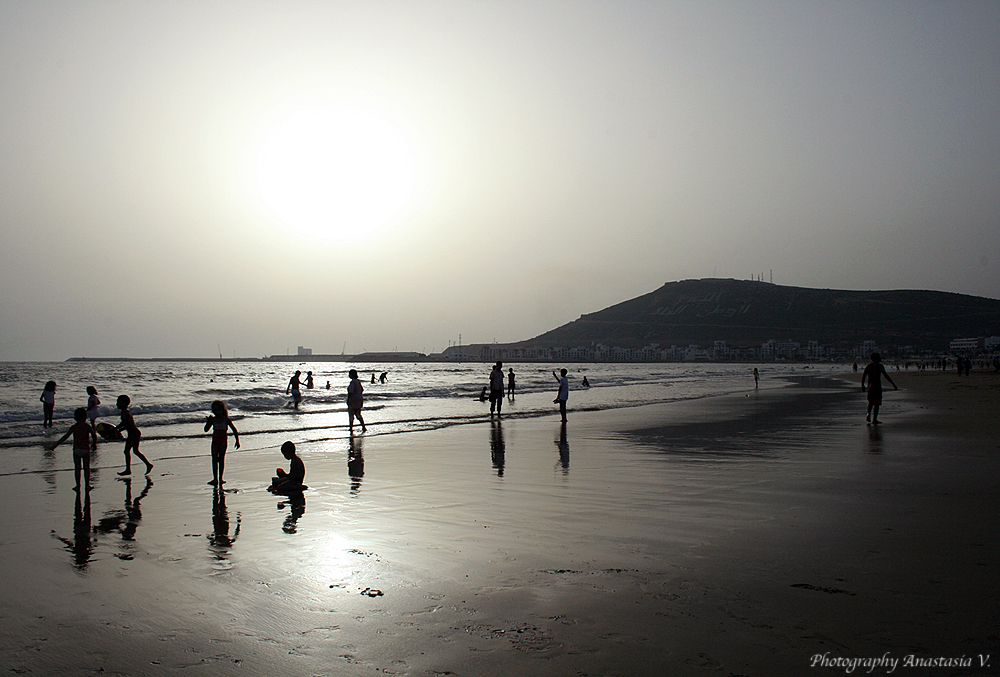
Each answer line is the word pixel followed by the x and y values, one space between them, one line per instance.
pixel 873 373
pixel 383 377
pixel 756 377
pixel 496 388
pixel 373 377
pixel 309 380
pixel 563 392
pixel 586 383
pixel 133 436
pixel 291 481
pixel 510 383
pixel 482 394
pixel 355 401
pixel 295 387
pixel 48 400
pixel 327 385
pixel 220 424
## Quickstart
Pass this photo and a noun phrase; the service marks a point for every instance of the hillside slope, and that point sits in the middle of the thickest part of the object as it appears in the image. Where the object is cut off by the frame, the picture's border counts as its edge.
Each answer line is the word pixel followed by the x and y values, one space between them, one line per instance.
pixel 748 313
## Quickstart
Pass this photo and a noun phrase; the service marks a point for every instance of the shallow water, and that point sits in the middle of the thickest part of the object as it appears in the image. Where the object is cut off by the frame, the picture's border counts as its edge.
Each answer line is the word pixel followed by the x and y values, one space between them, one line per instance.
pixel 170 399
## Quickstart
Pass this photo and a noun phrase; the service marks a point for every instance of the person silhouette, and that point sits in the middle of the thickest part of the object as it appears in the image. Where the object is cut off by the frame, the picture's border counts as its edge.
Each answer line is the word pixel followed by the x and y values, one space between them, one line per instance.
pixel 873 373
pixel 133 438
pixel 510 383
pixel 563 392
pixel 220 423
pixel 291 481
pixel 295 387
pixel 355 401
pixel 496 388
pixel 756 377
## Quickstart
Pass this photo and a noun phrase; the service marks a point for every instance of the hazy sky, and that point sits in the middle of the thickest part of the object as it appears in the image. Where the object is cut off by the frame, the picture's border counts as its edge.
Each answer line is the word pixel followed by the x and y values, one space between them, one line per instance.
pixel 182 175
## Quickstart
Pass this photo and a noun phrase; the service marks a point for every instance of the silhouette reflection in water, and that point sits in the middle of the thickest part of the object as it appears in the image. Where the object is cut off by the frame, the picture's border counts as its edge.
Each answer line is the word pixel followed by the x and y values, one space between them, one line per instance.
pixel 563 445
pixel 82 545
pixel 355 463
pixel 125 521
pixel 296 501
pixel 874 440
pixel 219 541
pixel 498 449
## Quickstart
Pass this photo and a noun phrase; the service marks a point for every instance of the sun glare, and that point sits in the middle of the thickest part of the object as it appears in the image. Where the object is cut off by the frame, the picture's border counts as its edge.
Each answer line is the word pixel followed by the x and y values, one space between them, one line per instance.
pixel 335 172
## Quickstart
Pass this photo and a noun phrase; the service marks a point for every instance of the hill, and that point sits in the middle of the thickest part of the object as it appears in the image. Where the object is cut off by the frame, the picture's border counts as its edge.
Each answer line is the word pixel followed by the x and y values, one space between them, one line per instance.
pixel 748 313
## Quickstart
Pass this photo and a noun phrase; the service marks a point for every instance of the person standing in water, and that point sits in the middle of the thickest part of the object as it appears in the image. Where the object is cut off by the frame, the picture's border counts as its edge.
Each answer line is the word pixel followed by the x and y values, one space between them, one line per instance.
pixel 496 388
pixel 309 380
pixel 93 402
pixel 563 392
pixel 220 423
pixel 355 400
pixel 510 383
pixel 133 438
pixel 48 400
pixel 873 373
pixel 295 387
pixel 756 377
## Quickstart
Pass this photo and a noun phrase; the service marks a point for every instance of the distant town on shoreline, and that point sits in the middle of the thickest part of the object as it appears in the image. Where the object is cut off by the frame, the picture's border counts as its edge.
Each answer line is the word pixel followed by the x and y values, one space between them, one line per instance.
pixel 725 320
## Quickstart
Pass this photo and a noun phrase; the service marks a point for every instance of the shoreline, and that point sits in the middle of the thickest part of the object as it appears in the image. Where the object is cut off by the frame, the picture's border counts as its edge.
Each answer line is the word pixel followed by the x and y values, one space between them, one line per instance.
pixel 742 534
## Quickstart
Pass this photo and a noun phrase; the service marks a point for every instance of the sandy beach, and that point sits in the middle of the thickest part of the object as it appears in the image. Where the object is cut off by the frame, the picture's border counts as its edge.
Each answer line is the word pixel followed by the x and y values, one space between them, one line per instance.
pixel 770 532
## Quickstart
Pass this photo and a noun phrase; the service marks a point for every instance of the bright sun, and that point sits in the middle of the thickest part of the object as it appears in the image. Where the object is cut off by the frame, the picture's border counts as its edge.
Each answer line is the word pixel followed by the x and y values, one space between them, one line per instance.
pixel 335 172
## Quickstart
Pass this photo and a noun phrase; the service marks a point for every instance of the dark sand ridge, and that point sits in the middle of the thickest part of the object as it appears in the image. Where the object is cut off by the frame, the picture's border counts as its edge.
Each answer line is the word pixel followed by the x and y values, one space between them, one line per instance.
pixel 736 535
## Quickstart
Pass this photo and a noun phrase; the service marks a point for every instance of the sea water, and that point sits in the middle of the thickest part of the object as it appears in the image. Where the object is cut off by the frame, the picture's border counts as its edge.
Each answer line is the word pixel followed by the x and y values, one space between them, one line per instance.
pixel 171 399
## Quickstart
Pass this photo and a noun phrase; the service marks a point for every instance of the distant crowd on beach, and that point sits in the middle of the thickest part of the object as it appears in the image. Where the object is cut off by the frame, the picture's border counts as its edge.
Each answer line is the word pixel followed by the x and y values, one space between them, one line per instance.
pixel 85 430
pixel 500 386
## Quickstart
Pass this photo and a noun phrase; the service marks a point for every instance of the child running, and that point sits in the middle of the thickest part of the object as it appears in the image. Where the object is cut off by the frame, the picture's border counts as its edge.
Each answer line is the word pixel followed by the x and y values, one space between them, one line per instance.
pixel 93 402
pixel 48 400
pixel 220 423
pixel 133 438
pixel 84 441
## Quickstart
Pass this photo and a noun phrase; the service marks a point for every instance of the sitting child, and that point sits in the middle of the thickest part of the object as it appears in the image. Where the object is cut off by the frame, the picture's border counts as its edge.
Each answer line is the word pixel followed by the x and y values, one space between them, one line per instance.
pixel 291 481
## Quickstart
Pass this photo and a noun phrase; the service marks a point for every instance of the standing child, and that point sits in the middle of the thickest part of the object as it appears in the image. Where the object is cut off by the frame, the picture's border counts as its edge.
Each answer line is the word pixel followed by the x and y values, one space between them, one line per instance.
pixel 355 400
pixel 84 441
pixel 133 438
pixel 92 404
pixel 220 423
pixel 48 400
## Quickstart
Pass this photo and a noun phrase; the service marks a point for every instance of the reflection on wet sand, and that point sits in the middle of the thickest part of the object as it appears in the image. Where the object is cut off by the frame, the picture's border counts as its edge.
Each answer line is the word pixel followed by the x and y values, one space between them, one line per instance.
pixel 82 546
pixel 48 469
pixel 125 521
pixel 498 448
pixel 219 541
pixel 355 463
pixel 874 439
pixel 296 502
pixel 563 445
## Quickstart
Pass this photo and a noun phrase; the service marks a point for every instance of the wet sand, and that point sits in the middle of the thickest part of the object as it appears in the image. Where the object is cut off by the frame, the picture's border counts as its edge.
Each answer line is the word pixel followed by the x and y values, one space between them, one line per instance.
pixel 740 535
